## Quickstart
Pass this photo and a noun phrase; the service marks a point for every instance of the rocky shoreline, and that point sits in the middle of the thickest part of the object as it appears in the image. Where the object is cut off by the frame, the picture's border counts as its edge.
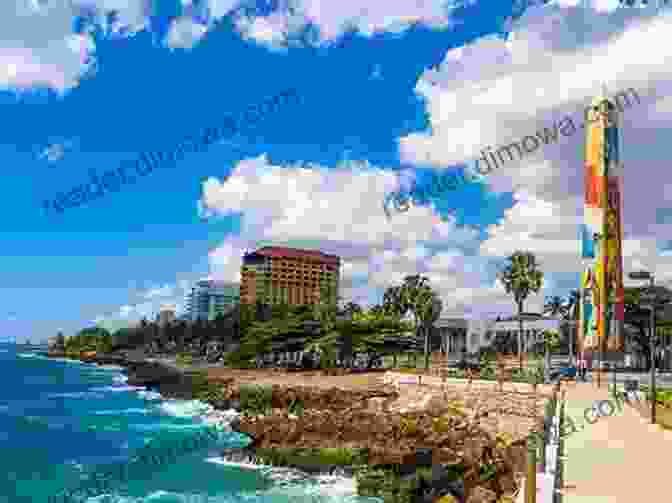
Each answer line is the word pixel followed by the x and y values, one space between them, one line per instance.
pixel 448 435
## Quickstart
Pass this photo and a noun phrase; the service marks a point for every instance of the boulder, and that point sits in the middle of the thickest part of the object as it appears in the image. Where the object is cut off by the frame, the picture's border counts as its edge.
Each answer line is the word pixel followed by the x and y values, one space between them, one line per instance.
pixel 482 495
pixel 444 484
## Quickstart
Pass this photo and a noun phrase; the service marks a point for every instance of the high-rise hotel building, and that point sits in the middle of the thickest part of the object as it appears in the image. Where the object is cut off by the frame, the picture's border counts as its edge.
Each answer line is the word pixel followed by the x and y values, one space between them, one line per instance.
pixel 275 274
pixel 210 298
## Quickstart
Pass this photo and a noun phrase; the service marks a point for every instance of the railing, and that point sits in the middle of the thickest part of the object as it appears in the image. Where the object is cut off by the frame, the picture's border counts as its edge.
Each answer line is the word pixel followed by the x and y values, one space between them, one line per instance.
pixel 542 453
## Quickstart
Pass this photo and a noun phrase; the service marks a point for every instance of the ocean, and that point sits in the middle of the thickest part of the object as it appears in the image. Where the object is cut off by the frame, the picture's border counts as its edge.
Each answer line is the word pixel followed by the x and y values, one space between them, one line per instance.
pixel 60 419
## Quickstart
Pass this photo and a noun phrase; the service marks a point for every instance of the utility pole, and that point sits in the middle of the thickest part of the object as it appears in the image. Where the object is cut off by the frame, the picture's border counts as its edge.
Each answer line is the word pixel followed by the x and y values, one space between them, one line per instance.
pixel 653 356
pixel 651 301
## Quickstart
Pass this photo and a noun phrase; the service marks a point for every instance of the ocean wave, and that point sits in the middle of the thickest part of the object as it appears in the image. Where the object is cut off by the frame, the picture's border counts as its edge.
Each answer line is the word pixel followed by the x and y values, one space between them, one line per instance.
pixel 76 394
pixel 244 465
pixel 66 360
pixel 321 488
pixel 118 389
pixel 313 491
pixel 110 367
pixel 120 379
pixel 120 412
pixel 166 427
pixel 186 408
pixel 149 395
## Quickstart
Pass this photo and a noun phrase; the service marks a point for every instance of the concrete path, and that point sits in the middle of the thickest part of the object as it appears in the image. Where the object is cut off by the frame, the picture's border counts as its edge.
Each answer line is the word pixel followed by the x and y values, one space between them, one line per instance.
pixel 619 459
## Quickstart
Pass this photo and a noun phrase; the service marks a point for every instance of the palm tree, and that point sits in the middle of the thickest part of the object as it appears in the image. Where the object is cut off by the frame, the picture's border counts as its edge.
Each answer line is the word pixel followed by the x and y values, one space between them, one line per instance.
pixel 551 340
pixel 351 308
pixel 572 314
pixel 429 311
pixel 521 276
pixel 555 306
pixel 59 343
pixel 394 302
pixel 572 301
pixel 416 296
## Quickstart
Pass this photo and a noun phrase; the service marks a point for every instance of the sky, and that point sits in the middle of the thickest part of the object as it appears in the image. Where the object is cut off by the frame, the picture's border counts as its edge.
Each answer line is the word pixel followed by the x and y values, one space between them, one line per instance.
pixel 386 91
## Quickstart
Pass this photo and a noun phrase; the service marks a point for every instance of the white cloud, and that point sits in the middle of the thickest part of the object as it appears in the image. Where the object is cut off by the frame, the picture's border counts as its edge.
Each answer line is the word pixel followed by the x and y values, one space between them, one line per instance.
pixel 165 291
pixel 154 299
pixel 375 252
pixel 184 33
pixel 333 19
pixel 38 46
pixel 271 31
pixel 494 92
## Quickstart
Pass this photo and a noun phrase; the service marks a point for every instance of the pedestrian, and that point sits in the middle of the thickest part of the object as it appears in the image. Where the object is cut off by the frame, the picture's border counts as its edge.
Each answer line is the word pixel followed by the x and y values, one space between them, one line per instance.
pixel 581 363
pixel 588 363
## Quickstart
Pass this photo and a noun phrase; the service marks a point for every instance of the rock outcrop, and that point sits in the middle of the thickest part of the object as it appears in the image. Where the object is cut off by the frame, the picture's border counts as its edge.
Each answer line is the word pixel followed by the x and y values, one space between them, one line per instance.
pixel 333 399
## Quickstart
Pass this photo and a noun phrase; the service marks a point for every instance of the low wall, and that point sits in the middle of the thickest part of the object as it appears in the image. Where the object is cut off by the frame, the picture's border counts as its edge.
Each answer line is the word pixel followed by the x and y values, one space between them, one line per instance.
pixel 396 378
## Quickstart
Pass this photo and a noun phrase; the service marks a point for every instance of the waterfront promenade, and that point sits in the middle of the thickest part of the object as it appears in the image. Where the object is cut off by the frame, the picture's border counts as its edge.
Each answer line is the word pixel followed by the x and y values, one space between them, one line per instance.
pixel 619 459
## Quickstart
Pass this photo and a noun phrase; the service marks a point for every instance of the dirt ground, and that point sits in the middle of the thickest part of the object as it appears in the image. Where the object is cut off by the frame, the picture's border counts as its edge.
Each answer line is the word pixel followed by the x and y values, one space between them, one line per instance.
pixel 268 376
pixel 508 412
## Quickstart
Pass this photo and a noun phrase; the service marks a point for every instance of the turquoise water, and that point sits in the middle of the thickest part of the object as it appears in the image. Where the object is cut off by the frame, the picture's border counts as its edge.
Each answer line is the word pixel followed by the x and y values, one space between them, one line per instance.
pixel 60 419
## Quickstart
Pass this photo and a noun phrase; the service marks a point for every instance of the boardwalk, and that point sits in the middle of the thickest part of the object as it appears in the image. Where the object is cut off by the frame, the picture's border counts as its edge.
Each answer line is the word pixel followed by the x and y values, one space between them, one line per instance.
pixel 620 459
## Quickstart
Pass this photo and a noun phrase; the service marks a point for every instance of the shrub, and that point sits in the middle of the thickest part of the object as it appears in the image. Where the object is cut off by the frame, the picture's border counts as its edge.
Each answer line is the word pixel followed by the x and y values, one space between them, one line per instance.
pixel 184 359
pixel 322 456
pixel 385 483
pixel 457 373
pixel 488 365
pixel 256 399
pixel 296 407
pixel 408 426
pixel 205 390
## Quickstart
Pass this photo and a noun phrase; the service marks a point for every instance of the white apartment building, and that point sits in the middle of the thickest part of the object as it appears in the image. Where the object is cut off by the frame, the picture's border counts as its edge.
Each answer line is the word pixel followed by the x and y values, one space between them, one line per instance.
pixel 222 298
pixel 208 298
pixel 452 335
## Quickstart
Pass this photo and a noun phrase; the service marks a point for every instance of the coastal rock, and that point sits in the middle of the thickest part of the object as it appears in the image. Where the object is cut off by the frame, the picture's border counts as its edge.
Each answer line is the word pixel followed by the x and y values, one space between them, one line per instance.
pixel 333 399
pixel 444 484
pixel 482 495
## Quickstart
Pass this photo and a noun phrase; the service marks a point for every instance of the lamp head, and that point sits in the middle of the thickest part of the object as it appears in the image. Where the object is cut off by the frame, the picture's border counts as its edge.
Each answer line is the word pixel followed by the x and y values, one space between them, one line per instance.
pixel 639 275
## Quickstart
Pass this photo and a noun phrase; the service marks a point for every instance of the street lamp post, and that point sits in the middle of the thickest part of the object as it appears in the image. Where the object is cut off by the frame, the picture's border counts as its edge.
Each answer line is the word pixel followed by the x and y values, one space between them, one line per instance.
pixel 643 275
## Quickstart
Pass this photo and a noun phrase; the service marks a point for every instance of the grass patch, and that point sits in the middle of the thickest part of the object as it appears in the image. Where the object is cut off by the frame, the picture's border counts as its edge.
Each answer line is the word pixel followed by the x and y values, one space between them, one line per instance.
pixel 385 482
pixel 296 407
pixel 184 359
pixel 322 456
pixel 256 399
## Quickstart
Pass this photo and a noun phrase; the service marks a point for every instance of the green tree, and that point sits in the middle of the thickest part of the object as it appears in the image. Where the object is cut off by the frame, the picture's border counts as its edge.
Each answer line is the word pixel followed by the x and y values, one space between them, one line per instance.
pixel 351 308
pixel 638 317
pixel 550 341
pixel 555 306
pixel 520 277
pixel 429 310
pixel 415 296
pixel 59 342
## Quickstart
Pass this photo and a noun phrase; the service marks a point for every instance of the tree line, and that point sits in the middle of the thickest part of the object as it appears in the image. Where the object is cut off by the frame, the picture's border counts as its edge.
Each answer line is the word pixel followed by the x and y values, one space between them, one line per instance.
pixel 337 333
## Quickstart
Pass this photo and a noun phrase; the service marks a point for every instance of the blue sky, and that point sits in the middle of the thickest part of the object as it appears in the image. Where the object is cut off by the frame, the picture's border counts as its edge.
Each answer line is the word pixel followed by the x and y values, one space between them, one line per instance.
pixel 388 89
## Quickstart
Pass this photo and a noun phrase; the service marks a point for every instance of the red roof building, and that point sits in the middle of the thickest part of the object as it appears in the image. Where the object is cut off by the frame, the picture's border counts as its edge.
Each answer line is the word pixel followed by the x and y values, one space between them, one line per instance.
pixel 276 274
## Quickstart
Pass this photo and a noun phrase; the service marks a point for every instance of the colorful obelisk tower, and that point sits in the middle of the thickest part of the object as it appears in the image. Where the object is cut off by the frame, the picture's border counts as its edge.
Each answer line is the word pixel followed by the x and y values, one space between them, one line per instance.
pixel 602 294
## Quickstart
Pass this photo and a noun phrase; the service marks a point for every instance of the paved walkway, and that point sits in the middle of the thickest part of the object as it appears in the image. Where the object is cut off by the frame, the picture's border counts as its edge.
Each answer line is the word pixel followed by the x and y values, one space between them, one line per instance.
pixel 619 459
